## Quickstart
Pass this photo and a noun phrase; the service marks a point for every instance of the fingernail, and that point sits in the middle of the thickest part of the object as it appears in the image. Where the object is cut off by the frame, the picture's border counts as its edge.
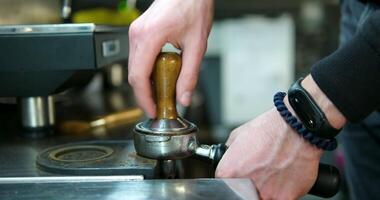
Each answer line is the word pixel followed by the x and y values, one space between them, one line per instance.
pixel 186 98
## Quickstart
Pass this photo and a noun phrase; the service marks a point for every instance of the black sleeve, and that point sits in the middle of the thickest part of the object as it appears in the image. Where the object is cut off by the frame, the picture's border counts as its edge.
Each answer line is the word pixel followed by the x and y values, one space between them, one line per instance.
pixel 350 76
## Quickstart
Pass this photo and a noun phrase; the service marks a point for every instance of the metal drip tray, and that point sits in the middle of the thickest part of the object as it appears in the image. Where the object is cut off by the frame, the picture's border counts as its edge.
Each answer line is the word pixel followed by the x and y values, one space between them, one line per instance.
pixel 96 158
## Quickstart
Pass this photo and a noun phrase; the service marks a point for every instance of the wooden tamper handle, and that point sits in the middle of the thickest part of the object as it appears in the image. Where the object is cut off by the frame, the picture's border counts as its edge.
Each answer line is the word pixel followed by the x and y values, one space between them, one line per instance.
pixel 165 75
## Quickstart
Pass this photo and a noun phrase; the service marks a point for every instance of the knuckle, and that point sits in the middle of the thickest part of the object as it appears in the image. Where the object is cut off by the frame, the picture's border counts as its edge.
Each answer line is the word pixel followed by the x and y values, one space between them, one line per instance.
pixel 234 133
pixel 145 34
pixel 147 27
pixel 190 80
pixel 199 49
pixel 154 24
pixel 133 79
pixel 135 29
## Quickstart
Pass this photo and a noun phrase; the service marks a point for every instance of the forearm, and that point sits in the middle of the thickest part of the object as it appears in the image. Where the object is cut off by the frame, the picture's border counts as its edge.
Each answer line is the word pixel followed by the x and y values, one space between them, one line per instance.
pixel 350 77
pixel 333 115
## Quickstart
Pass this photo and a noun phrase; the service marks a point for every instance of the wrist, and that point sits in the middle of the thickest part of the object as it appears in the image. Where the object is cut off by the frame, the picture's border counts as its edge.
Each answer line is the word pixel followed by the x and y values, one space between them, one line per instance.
pixel 288 114
pixel 333 115
pixel 295 140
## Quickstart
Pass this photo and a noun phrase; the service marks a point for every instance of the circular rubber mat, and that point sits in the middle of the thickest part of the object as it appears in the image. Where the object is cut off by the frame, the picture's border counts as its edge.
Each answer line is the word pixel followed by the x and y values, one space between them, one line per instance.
pixel 96 158
pixel 80 153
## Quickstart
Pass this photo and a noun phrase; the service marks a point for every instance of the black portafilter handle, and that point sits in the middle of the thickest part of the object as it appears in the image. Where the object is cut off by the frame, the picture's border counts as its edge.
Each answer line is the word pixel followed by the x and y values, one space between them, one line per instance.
pixel 326 185
pixel 220 149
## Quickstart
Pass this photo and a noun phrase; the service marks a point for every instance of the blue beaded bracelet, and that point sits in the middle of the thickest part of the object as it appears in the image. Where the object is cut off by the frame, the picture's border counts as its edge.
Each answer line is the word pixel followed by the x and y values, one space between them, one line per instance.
pixel 322 143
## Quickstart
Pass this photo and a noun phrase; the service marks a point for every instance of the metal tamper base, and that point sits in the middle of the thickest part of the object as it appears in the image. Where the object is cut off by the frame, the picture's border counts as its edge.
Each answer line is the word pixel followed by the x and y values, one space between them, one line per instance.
pixel 165 138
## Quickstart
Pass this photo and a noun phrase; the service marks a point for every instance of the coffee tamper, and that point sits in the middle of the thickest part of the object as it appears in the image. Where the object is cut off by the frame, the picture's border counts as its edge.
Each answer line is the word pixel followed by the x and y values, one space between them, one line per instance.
pixel 169 136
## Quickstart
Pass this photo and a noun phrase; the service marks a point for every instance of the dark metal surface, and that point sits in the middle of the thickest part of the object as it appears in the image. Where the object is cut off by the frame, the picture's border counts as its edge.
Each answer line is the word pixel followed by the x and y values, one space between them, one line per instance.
pixel 147 189
pixel 39 60
pixel 52 47
pixel 18 152
pixel 18 159
pixel 96 158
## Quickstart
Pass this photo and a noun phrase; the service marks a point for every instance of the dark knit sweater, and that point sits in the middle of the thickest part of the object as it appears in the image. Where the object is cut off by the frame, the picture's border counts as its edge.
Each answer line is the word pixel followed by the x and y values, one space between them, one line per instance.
pixel 350 76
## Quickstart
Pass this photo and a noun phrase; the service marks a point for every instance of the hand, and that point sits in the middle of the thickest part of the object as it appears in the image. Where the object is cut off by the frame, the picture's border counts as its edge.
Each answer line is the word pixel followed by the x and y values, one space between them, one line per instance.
pixel 279 161
pixel 184 24
pixel 281 164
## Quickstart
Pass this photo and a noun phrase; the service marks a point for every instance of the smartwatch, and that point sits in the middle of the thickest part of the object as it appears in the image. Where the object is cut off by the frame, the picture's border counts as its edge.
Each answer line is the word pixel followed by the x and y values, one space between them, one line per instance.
pixel 308 112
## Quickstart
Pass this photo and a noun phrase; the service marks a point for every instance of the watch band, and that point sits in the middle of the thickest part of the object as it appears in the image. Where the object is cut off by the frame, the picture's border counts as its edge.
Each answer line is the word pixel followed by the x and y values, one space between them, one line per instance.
pixel 312 138
pixel 308 112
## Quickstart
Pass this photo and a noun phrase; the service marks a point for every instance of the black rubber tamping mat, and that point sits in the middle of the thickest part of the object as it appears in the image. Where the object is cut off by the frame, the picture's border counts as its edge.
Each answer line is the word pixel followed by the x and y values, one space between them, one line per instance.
pixel 96 158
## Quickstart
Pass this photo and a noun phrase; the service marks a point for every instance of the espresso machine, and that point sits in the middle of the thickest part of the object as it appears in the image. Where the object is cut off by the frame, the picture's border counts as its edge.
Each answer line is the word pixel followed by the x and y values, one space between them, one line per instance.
pixel 39 61
pixel 48 150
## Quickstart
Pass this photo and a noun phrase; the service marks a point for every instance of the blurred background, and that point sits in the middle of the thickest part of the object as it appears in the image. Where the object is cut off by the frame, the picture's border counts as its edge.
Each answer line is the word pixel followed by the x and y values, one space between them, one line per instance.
pixel 255 48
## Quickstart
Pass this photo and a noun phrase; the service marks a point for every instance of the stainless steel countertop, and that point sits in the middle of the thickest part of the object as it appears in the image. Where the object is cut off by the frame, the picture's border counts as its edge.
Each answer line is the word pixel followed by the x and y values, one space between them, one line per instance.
pixel 146 189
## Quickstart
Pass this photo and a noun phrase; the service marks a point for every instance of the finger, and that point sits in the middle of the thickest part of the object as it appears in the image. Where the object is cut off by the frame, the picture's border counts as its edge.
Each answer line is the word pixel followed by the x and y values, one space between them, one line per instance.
pixel 144 48
pixel 191 59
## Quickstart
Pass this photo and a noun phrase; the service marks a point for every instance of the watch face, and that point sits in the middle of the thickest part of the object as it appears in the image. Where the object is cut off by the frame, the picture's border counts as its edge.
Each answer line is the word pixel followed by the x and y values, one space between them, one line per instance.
pixel 306 110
